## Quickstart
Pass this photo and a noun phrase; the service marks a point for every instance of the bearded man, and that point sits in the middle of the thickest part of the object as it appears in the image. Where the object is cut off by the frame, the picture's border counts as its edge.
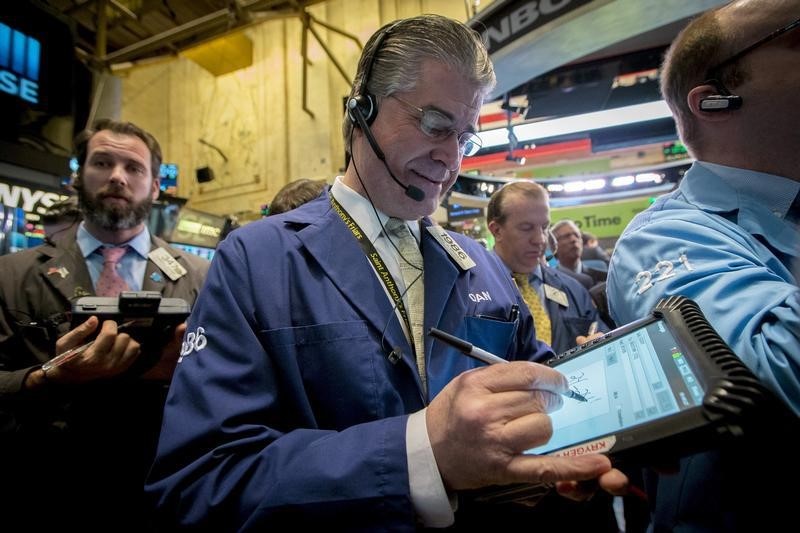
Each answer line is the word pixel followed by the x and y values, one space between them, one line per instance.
pixel 76 439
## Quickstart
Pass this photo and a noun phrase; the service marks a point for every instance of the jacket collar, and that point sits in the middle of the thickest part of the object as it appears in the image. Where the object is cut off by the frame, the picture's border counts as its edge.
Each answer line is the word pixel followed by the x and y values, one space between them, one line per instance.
pixel 718 189
pixel 332 245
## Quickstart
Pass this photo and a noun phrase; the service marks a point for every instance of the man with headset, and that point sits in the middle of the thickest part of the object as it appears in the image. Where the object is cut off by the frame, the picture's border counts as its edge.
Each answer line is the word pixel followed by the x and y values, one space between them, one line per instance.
pixel 308 393
pixel 727 238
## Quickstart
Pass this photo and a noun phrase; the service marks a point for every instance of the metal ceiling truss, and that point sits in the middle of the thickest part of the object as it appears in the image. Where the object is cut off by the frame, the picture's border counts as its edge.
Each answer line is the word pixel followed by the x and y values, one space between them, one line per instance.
pixel 237 15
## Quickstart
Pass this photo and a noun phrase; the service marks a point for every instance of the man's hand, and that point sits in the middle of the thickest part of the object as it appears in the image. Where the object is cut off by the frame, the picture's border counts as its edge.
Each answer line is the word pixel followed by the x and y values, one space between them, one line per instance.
pixel 165 367
pixel 484 419
pixel 111 354
pixel 614 482
pixel 583 339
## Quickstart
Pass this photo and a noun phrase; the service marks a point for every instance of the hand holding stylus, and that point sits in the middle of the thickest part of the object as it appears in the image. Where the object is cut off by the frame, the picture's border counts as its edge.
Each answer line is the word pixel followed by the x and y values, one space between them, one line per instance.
pixel 473 351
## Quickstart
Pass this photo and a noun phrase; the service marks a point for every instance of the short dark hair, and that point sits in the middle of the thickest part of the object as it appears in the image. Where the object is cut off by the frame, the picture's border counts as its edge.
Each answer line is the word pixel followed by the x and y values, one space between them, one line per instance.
pixel 529 189
pixel 294 194
pixel 699 46
pixel 122 128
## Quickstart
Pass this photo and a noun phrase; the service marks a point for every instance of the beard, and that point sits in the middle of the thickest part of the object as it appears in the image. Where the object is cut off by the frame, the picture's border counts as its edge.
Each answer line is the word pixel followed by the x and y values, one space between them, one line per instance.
pixel 113 216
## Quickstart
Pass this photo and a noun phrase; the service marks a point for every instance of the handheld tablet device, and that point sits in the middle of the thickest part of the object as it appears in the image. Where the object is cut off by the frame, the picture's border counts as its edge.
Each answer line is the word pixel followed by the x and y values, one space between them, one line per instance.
pixel 147 309
pixel 148 318
pixel 657 389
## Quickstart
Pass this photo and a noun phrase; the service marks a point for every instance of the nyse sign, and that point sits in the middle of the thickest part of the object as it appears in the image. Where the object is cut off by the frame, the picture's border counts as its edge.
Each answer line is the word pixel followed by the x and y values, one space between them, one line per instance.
pixel 20 58
pixel 30 200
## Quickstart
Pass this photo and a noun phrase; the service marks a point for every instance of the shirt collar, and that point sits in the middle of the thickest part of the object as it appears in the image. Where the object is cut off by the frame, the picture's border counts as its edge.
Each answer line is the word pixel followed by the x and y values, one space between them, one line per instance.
pixel 578 267
pixel 88 243
pixel 535 274
pixel 771 192
pixel 362 211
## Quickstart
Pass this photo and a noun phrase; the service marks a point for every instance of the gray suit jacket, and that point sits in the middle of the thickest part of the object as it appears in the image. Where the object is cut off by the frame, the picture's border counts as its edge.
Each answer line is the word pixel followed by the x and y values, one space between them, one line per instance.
pixel 37 290
pixel 81 450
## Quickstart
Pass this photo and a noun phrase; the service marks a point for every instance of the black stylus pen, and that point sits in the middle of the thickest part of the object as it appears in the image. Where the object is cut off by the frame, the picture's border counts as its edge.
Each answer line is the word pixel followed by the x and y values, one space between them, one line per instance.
pixel 482 355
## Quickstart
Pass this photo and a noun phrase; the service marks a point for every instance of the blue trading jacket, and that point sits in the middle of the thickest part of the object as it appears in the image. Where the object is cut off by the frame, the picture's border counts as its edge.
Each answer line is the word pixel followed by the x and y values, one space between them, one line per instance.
pixel 574 319
pixel 286 405
pixel 730 253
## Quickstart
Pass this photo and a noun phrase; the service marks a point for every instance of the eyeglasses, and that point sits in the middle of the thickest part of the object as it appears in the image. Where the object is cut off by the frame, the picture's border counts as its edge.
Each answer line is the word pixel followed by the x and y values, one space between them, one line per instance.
pixel 567 235
pixel 438 126
pixel 712 74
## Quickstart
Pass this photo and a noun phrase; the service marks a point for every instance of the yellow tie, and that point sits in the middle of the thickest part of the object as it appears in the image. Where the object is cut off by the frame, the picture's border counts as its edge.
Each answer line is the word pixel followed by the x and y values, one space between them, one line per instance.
pixel 534 303
pixel 411 269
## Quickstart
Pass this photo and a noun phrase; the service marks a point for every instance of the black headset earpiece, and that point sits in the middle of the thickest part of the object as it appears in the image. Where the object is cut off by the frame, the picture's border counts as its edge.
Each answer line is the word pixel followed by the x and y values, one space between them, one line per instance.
pixel 363 106
pixel 723 101
pixel 362 102
pixel 720 102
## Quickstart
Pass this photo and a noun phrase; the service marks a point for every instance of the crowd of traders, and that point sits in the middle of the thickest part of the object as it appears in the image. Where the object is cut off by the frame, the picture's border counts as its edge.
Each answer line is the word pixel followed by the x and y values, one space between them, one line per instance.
pixel 303 391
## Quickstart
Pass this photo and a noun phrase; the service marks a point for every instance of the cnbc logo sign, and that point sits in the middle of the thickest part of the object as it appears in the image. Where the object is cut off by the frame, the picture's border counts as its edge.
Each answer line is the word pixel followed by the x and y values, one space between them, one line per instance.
pixel 20 57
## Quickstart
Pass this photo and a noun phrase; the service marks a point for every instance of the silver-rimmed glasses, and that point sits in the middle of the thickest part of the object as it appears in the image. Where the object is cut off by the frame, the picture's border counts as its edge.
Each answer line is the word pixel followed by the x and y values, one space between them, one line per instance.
pixel 438 126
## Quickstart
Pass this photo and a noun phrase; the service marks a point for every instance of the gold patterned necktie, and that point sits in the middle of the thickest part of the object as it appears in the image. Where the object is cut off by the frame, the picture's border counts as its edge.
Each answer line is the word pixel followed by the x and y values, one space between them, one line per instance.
pixel 535 306
pixel 411 269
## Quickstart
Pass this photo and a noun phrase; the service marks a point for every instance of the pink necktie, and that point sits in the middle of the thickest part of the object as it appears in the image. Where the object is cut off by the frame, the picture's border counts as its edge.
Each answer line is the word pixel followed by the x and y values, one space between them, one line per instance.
pixel 110 282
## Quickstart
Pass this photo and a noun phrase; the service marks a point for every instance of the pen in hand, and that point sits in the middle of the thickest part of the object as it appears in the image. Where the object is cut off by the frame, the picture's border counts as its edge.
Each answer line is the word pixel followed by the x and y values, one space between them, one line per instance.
pixel 72 353
pixel 482 355
pixel 592 329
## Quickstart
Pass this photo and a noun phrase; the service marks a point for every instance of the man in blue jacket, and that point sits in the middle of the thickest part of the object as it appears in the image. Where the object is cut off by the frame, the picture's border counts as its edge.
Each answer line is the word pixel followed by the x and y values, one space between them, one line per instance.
pixel 308 393
pixel 727 238
pixel 518 216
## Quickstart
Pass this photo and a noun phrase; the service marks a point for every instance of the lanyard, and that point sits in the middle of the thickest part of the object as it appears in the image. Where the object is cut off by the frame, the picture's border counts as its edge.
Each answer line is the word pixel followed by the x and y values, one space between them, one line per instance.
pixel 375 259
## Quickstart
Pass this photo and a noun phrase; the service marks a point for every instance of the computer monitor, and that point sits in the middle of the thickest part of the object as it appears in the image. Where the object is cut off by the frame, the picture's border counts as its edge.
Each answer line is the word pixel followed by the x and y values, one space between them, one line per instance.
pixel 168 175
pixel 201 251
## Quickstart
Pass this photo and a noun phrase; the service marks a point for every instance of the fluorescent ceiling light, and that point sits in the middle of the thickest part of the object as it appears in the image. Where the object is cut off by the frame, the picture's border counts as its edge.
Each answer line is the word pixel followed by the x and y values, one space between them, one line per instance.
pixel 593 185
pixel 648 177
pixel 577 123
pixel 574 186
pixel 622 181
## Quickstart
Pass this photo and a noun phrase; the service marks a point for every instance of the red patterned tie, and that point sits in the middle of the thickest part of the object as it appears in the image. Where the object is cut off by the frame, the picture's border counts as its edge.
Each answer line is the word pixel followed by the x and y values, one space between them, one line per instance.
pixel 110 282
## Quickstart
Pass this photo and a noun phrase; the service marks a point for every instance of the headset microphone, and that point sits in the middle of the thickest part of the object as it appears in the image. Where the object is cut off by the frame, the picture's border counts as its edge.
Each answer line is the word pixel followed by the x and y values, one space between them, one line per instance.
pixel 362 108
pixel 415 193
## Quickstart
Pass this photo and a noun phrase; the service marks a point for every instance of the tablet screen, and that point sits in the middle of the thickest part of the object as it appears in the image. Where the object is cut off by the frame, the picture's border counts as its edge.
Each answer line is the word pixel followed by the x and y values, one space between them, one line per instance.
pixel 639 376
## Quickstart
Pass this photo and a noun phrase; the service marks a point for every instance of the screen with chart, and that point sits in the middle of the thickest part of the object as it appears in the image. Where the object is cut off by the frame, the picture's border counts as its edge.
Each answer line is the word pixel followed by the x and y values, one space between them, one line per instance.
pixel 631 380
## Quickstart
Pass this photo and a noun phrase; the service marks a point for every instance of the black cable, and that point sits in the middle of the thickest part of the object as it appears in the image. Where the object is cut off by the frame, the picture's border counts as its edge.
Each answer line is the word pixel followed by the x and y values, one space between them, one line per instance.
pixel 389 238
pixel 372 204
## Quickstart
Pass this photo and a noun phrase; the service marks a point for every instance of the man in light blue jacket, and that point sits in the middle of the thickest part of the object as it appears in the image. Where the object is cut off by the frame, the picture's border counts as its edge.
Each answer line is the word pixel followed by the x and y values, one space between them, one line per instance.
pixel 728 239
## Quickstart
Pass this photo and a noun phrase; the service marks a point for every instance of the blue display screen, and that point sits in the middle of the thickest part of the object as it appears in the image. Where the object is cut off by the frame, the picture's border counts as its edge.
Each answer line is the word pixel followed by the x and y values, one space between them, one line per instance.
pixel 169 176
pixel 636 378
pixel 201 251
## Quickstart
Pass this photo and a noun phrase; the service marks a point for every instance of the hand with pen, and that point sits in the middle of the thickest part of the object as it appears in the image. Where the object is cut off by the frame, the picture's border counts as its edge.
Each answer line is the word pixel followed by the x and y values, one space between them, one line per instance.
pixel 484 419
pixel 110 354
